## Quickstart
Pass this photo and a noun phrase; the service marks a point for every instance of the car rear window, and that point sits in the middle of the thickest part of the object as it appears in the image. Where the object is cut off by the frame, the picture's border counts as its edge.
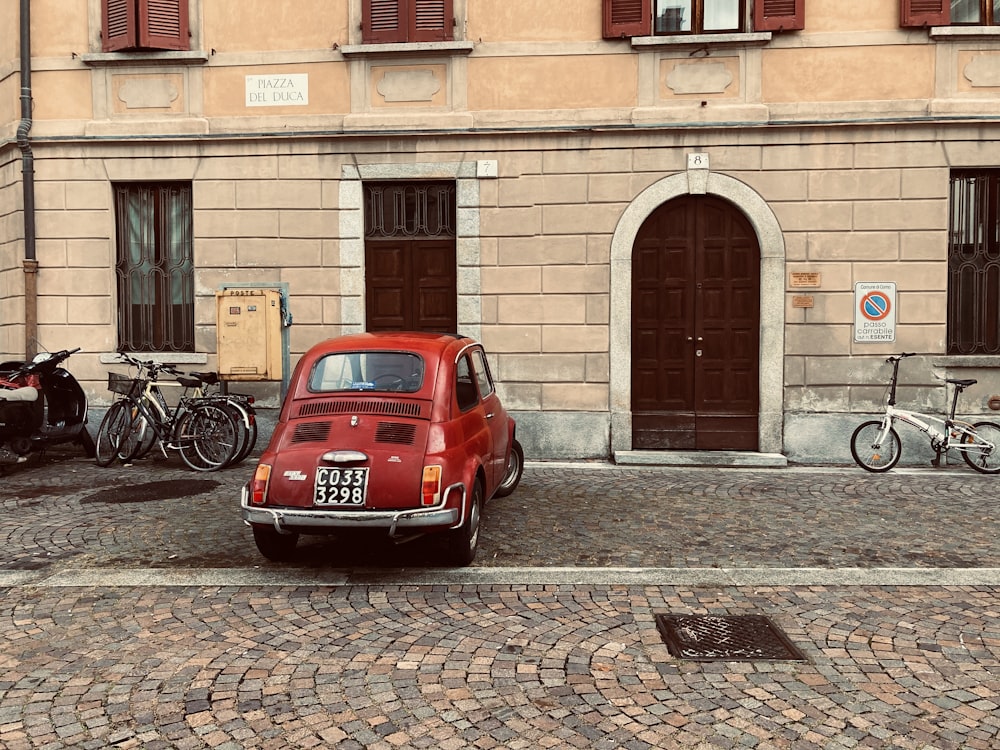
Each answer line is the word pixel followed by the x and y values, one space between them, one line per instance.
pixel 398 372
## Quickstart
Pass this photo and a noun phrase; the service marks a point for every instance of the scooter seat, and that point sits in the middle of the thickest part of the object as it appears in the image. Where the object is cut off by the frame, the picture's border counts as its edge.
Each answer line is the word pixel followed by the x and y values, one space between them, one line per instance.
pixel 27 393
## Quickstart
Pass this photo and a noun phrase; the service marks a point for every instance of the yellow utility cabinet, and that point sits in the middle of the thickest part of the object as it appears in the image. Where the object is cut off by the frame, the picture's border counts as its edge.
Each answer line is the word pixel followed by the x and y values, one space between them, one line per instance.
pixel 249 333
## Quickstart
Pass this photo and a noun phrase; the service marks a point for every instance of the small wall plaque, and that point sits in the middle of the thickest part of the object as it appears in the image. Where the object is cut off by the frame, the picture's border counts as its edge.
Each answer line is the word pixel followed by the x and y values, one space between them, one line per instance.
pixel 805 279
pixel 805 300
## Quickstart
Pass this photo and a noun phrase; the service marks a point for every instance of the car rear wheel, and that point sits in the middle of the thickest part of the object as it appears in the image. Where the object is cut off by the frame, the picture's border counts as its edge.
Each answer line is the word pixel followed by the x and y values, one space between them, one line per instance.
pixel 515 468
pixel 461 543
pixel 274 546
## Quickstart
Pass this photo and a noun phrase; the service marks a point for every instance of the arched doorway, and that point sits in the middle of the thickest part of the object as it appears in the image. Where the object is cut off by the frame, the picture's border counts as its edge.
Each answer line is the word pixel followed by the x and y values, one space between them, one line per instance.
pixel 771 303
pixel 695 328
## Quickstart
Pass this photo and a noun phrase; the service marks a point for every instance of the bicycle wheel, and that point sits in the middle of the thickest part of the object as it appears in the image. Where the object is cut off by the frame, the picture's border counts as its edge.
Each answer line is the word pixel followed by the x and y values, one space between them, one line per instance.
pixel 137 436
pixel 246 424
pixel 872 454
pixel 117 421
pixel 987 439
pixel 207 437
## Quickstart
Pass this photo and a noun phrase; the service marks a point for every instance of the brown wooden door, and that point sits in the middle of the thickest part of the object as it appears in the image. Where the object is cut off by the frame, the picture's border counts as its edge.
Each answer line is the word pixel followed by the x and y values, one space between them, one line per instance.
pixel 410 259
pixel 411 285
pixel 695 328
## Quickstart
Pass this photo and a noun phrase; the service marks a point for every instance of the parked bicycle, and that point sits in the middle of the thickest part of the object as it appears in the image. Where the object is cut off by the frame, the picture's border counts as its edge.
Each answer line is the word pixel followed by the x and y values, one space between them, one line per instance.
pixel 199 387
pixel 205 432
pixel 875 444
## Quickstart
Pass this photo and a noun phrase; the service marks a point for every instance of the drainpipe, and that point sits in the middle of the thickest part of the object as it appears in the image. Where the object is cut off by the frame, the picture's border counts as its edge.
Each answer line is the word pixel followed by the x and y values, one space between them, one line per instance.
pixel 28 185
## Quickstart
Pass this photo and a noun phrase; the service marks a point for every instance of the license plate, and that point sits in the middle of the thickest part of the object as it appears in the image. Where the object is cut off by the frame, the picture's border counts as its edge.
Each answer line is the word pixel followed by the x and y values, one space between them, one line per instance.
pixel 336 486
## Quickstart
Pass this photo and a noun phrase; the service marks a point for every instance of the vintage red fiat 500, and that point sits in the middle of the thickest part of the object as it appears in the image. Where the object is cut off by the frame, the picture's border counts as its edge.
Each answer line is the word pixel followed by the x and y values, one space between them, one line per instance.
pixel 396 431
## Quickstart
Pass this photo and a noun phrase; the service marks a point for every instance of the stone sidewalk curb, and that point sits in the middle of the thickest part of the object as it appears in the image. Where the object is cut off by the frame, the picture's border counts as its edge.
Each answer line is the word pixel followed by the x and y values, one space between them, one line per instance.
pixel 253 577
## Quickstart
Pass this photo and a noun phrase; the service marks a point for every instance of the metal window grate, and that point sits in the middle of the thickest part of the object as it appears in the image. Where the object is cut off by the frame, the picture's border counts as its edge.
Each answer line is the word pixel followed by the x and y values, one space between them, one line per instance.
pixel 974 263
pixel 726 638
pixel 410 209
pixel 154 269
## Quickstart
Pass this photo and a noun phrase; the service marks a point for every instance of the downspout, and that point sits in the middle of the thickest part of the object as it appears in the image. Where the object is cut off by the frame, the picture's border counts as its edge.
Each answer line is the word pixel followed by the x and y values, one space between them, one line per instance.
pixel 28 185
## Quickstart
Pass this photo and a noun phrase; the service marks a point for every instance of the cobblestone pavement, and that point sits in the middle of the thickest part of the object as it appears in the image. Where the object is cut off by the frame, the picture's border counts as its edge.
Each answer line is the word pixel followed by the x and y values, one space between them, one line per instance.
pixel 138 614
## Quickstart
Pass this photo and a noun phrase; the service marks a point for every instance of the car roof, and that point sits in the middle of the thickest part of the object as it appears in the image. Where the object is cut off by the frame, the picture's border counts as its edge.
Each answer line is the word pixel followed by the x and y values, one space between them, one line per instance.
pixel 415 341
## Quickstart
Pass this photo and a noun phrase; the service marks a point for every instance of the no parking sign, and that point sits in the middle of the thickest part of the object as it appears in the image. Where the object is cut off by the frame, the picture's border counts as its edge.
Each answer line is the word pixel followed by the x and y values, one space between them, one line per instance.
pixel 874 311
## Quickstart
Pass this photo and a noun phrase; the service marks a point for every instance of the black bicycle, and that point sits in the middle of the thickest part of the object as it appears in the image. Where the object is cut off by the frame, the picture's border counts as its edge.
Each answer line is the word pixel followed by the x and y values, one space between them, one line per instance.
pixel 204 431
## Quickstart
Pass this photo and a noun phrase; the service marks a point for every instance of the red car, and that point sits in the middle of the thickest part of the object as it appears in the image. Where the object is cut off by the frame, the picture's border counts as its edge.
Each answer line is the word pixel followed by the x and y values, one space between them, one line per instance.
pixel 396 431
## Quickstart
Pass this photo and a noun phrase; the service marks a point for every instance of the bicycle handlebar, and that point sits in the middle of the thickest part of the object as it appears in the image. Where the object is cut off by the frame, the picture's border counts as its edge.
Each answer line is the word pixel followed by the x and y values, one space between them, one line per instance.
pixel 903 355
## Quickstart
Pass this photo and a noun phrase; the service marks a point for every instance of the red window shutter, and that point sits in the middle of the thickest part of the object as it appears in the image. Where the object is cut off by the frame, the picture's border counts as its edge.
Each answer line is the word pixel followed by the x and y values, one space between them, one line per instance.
pixel 383 21
pixel 624 18
pixel 924 12
pixel 779 15
pixel 163 24
pixel 431 20
pixel 119 24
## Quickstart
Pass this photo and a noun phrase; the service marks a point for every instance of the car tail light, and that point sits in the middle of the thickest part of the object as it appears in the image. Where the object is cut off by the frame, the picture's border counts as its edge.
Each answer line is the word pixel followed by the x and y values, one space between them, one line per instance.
pixel 258 486
pixel 431 485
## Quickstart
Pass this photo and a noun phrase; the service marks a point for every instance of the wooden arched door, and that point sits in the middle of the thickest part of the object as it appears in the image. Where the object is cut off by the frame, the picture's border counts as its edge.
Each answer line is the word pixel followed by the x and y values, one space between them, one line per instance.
pixel 695 328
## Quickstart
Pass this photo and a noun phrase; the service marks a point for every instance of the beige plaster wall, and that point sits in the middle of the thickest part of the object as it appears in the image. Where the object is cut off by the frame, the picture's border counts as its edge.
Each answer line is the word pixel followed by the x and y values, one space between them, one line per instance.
pixel 823 16
pixel 264 25
pixel 845 74
pixel 519 62
pixel 571 82
pixel 11 253
pixel 549 21
pixel 61 95
pixel 58 27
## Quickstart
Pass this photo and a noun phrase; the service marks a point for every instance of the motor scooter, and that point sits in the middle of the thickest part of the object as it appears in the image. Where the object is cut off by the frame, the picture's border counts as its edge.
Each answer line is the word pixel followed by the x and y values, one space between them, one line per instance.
pixel 41 404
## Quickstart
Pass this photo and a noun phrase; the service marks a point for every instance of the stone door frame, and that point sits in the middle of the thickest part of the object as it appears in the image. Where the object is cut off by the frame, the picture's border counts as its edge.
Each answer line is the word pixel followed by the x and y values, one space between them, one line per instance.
pixel 772 302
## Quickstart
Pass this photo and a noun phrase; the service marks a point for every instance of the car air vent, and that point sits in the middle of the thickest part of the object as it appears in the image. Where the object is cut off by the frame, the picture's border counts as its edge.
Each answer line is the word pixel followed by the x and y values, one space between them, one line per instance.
pixel 378 406
pixel 311 432
pixel 395 432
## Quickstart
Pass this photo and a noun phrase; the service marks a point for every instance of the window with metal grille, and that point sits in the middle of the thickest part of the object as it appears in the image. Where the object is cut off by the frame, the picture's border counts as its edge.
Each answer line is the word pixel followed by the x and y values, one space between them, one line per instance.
pixel 974 263
pixel 409 209
pixel 154 270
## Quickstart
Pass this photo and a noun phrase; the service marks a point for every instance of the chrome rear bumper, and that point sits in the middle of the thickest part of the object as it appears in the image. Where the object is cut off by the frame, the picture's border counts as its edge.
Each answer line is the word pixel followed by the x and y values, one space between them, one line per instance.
pixel 281 518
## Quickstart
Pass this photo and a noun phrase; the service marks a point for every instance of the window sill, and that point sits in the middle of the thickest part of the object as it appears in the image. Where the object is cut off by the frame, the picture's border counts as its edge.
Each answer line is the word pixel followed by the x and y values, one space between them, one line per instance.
pixel 414 48
pixel 958 361
pixel 759 38
pixel 145 57
pixel 170 358
pixel 965 33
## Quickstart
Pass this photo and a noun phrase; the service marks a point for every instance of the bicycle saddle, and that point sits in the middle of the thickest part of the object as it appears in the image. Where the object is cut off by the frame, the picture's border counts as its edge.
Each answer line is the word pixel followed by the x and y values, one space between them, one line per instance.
pixel 961 383
pixel 209 378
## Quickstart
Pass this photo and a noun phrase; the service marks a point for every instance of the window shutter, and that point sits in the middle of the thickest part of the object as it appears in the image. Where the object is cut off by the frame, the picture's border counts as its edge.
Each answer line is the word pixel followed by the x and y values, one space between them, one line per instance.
pixel 163 24
pixel 431 21
pixel 924 13
pixel 382 21
pixel 623 18
pixel 779 15
pixel 118 25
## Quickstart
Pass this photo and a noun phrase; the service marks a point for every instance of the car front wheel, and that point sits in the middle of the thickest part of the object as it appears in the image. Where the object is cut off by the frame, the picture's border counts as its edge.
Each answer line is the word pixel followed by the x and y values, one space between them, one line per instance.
pixel 461 543
pixel 274 546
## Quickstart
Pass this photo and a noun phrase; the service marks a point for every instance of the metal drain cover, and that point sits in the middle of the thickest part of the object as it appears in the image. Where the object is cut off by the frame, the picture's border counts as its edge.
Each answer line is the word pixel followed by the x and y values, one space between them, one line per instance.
pixel 726 638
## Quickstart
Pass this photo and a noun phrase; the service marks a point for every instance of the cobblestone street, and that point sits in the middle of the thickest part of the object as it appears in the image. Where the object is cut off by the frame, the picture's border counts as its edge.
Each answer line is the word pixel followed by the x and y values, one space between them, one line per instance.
pixel 137 613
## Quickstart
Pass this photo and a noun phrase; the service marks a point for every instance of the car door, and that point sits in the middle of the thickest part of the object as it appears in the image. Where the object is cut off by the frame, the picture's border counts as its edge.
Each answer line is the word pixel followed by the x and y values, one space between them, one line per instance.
pixel 496 418
pixel 477 417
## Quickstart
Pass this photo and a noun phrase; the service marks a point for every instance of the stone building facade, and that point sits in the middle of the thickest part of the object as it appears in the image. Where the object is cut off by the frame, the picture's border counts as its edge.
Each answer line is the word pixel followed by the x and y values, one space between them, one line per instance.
pixel 662 214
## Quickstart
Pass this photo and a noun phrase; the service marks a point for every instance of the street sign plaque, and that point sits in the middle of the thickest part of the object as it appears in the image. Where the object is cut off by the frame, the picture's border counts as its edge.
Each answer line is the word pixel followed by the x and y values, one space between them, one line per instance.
pixel 874 312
